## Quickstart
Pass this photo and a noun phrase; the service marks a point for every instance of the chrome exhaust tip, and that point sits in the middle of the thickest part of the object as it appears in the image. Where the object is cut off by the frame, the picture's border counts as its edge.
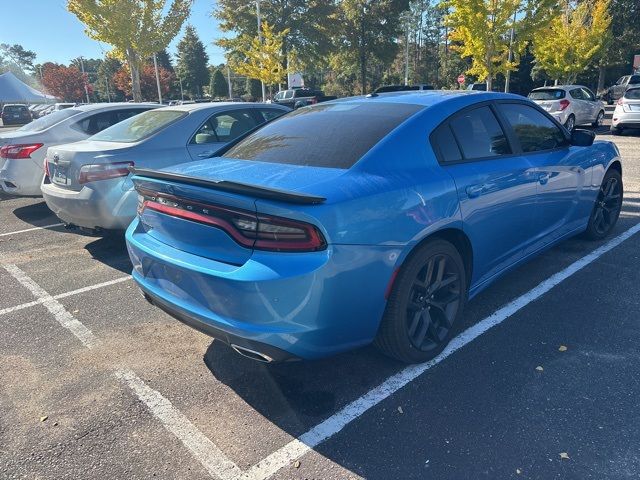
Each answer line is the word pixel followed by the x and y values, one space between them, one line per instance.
pixel 252 354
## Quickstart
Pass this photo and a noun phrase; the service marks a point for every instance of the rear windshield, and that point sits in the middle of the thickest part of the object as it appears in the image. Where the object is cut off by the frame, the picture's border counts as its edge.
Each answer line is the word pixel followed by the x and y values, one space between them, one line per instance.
pixel 14 108
pixel 136 128
pixel 633 94
pixel 549 94
pixel 43 123
pixel 326 135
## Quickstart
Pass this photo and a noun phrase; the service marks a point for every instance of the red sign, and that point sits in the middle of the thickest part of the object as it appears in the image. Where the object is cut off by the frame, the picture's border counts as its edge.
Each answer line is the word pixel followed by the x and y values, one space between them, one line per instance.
pixel 636 61
pixel 461 79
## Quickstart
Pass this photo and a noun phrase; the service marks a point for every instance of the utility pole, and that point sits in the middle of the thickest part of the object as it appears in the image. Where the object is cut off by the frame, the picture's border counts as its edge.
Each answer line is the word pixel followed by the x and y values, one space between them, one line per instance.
pixel 406 19
pixel 508 75
pixel 86 90
pixel 181 91
pixel 229 81
pixel 264 95
pixel 155 65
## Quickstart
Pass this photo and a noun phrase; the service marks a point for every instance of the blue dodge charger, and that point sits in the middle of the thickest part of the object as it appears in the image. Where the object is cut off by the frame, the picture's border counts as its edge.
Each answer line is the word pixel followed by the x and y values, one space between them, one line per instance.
pixel 367 219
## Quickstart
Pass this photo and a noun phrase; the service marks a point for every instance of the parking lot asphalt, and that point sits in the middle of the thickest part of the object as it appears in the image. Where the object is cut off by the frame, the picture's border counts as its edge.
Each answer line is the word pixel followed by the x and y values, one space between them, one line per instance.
pixel 96 383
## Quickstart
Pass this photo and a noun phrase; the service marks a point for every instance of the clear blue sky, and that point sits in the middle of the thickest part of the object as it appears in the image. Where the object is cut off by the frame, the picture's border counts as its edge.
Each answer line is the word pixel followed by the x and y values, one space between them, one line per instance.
pixel 56 35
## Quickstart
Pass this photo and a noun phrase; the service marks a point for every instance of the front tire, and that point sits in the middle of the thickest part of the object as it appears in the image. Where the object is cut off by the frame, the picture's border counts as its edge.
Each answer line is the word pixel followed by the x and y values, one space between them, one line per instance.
pixel 607 208
pixel 427 300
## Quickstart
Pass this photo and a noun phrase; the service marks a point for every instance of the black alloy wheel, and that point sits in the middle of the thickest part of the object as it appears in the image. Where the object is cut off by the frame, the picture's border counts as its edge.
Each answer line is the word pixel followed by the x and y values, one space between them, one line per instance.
pixel 428 297
pixel 607 207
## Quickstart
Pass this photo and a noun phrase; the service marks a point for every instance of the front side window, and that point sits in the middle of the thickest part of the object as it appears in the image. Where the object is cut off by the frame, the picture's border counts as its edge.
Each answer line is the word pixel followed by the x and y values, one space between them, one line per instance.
pixel 534 131
pixel 270 113
pixel 141 126
pixel 288 94
pixel 94 123
pixel 577 94
pixel 479 134
pixel 588 94
pixel 334 135
pixel 224 127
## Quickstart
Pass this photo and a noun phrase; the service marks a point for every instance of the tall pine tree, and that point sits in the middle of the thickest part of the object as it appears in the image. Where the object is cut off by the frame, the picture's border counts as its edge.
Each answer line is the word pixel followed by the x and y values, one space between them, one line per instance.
pixel 192 63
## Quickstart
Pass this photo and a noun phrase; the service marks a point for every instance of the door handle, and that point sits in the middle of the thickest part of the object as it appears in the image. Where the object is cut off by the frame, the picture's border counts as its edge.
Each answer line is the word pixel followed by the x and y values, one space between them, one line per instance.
pixel 543 178
pixel 206 154
pixel 475 190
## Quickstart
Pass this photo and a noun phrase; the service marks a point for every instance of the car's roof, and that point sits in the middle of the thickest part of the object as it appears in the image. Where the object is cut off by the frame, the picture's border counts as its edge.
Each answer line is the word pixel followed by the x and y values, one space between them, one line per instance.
pixel 429 98
pixel 561 87
pixel 191 107
pixel 15 104
pixel 113 105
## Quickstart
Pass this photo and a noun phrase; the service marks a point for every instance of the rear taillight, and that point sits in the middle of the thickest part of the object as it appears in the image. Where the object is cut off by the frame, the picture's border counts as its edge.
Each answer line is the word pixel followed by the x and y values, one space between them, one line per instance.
pixel 313 101
pixel 104 171
pixel 620 101
pixel 17 152
pixel 262 232
pixel 564 104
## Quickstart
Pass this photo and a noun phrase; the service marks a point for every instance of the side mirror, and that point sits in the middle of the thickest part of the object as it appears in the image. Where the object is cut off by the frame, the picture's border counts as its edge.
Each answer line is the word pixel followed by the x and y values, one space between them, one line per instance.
pixel 582 138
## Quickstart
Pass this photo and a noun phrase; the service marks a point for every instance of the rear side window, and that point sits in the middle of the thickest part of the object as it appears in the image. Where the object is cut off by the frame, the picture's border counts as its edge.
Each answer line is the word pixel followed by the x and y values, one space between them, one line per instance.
pixel 577 93
pixel 479 134
pixel 326 135
pixel 548 94
pixel 445 146
pixel 535 131
pixel 633 94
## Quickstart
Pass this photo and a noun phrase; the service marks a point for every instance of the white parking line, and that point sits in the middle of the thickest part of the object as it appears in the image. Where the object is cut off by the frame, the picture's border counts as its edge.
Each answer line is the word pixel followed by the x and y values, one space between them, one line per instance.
pixel 335 423
pixel 203 449
pixel 31 229
pixel 64 295
pixel 63 317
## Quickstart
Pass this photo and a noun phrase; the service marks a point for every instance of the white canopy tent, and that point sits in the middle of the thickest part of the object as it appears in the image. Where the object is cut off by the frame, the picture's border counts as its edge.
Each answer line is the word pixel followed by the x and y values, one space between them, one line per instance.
pixel 13 90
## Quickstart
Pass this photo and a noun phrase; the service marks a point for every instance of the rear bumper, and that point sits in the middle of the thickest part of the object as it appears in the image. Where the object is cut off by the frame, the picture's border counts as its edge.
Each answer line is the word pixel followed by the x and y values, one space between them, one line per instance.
pixel 21 177
pixel 622 119
pixel 97 205
pixel 306 305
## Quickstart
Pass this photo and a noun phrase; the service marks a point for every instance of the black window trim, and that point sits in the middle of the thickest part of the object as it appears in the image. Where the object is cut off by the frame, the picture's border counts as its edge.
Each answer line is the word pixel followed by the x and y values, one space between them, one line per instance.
pixel 512 139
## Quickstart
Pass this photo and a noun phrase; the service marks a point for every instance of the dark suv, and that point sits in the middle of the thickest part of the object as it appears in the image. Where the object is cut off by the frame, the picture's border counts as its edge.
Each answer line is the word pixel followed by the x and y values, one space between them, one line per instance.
pixel 616 91
pixel 15 114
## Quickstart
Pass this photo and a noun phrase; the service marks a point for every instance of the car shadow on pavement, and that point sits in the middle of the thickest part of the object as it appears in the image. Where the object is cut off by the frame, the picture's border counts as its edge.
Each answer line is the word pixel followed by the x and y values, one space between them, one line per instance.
pixel 296 396
pixel 35 213
pixel 111 250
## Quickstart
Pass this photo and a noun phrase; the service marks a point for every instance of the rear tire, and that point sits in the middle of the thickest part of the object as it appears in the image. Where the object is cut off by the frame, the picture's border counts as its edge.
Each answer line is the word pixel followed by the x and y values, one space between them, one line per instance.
pixel 606 209
pixel 427 300
pixel 599 119
pixel 570 124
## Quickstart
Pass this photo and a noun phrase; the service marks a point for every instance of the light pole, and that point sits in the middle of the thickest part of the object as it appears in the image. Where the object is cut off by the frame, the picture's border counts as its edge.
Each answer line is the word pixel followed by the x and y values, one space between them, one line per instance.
pixel 229 81
pixel 86 90
pixel 406 19
pixel 155 65
pixel 508 75
pixel 264 95
pixel 181 91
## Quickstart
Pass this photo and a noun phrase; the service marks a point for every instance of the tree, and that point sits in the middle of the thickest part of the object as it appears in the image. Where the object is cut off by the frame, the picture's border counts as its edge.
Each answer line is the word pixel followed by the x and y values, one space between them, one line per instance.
pixel 253 88
pixel 164 60
pixel 17 55
pixel 148 85
pixel 481 29
pixel 261 60
pixel 571 40
pixel 135 28
pixel 104 85
pixel 312 25
pixel 65 83
pixel 192 62
pixel 218 87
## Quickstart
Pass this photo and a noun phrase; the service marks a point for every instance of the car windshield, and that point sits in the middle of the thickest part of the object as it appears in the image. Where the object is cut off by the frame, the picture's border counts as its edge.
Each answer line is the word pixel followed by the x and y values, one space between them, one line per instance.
pixel 634 80
pixel 45 122
pixel 633 94
pixel 548 94
pixel 139 127
pixel 327 135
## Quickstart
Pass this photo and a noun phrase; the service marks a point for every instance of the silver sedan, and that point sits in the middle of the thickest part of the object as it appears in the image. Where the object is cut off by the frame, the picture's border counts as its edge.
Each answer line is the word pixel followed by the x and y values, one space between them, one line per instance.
pixel 571 105
pixel 87 183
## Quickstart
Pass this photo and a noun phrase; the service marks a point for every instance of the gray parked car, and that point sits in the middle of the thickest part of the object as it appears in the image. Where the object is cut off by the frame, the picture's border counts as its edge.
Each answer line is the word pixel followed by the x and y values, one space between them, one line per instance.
pixel 571 105
pixel 87 184
pixel 616 91
pixel 627 112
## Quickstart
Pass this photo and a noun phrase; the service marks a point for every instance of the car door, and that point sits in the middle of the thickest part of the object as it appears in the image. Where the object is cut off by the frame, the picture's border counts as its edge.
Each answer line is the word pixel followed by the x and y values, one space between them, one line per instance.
pixel 496 188
pixel 561 171
pixel 580 108
pixel 219 129
pixel 592 105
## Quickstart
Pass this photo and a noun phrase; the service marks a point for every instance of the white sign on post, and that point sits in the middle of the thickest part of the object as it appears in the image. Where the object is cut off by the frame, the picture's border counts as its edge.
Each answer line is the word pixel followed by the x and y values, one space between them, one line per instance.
pixel 295 80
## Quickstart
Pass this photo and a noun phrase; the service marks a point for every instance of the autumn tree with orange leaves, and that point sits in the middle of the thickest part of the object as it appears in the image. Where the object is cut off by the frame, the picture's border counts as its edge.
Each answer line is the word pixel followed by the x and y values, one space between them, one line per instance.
pixel 65 83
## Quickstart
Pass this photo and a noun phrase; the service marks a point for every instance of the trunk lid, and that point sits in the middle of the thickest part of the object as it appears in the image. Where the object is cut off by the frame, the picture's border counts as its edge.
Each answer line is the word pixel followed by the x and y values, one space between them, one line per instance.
pixel 65 161
pixel 227 189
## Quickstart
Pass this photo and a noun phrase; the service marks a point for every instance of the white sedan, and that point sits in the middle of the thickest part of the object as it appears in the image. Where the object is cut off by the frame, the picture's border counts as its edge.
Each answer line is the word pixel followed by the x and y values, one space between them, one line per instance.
pixel 22 151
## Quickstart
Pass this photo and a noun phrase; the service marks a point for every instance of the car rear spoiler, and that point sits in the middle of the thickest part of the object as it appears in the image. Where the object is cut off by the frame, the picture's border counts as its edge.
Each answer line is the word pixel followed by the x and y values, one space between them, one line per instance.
pixel 233 187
